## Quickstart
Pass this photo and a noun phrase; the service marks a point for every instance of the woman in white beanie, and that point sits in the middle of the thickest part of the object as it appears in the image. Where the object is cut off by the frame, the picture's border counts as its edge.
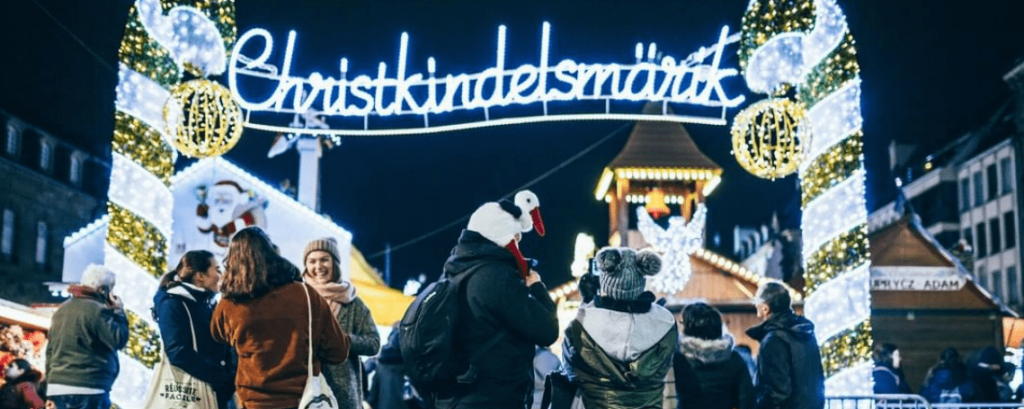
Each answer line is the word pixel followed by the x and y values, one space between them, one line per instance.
pixel 323 272
pixel 619 348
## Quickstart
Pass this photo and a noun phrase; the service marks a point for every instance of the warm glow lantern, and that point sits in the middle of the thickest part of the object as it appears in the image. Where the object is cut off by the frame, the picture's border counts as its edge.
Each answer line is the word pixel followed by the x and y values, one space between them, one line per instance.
pixel 656 204
pixel 202 119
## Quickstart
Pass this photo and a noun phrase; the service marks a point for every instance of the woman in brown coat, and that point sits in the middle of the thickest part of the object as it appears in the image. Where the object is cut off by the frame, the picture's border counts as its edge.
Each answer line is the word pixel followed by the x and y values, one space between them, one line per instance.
pixel 264 317
pixel 323 272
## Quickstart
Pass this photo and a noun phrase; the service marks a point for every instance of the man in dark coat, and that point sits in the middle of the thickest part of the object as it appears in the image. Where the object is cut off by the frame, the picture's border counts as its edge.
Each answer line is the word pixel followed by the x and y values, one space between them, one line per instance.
pixel 789 372
pixel 497 302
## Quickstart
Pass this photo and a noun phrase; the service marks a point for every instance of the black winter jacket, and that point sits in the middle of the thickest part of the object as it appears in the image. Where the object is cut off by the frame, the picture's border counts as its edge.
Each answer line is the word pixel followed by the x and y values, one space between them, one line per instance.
pixel 210 362
pixel 789 371
pixel 711 375
pixel 495 298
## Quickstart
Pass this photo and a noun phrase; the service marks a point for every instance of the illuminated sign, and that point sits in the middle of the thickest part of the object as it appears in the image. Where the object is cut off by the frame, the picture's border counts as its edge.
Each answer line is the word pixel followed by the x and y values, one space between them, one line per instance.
pixel 695 80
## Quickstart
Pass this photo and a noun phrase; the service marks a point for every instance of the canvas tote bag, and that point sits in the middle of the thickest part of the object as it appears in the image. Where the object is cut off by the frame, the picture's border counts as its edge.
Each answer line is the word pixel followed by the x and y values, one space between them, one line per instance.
pixel 317 394
pixel 173 388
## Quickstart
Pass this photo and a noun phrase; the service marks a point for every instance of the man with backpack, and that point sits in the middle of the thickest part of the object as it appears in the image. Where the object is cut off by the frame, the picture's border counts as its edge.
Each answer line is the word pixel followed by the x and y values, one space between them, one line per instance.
pixel 468 340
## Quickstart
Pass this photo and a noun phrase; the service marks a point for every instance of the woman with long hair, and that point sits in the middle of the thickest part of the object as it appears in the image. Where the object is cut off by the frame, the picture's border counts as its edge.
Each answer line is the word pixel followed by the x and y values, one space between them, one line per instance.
pixel 264 316
pixel 183 308
pixel 710 373
pixel 323 272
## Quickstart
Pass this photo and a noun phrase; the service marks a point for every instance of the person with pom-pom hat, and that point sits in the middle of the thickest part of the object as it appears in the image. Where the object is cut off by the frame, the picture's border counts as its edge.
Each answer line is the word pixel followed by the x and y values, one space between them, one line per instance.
pixel 619 348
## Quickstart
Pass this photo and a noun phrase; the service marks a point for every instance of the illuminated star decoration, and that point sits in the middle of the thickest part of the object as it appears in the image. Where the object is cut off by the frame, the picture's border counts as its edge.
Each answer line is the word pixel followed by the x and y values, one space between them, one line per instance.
pixel 675 244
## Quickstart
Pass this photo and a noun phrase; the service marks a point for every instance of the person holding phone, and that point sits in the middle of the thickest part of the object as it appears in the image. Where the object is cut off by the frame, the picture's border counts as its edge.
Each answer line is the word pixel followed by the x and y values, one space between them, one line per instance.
pixel 85 334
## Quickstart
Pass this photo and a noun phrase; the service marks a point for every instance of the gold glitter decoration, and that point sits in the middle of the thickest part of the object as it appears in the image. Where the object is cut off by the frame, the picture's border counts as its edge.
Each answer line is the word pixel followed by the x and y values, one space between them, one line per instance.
pixel 203 119
pixel 766 18
pixel 832 73
pixel 143 341
pixel 766 140
pixel 841 254
pixel 836 164
pixel 137 239
pixel 143 145
pixel 143 54
pixel 847 349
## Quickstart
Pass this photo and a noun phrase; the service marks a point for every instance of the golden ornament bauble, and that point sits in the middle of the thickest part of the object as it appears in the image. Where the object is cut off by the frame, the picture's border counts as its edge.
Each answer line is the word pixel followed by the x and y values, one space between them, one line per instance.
pixel 202 119
pixel 768 138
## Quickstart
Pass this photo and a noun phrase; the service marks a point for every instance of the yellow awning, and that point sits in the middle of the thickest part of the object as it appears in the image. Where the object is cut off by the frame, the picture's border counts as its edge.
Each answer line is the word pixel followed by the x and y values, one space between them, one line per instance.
pixel 386 304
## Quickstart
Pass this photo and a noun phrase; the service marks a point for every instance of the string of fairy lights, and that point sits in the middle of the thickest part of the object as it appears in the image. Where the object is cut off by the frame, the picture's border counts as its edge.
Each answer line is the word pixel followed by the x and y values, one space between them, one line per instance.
pixel 802 51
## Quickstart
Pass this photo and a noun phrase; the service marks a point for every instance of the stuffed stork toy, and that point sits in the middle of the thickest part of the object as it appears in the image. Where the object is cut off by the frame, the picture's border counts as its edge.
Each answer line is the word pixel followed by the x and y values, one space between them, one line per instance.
pixel 501 221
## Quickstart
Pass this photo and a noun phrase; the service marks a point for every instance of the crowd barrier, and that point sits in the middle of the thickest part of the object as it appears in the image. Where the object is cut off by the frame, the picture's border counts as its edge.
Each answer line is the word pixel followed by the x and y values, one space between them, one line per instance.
pixel 905 402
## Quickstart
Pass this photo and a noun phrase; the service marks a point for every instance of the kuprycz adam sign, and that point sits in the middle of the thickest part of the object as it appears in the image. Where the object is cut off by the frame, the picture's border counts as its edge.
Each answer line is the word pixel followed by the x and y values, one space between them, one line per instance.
pixel 916 279
pixel 352 102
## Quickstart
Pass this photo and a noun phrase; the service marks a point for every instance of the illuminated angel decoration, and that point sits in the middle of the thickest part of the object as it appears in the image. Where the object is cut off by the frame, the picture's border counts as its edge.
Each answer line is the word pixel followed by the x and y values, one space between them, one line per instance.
pixel 675 244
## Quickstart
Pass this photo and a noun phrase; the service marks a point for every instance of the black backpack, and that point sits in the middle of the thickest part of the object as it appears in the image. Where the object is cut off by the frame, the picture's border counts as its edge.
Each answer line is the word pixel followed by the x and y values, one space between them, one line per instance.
pixel 427 333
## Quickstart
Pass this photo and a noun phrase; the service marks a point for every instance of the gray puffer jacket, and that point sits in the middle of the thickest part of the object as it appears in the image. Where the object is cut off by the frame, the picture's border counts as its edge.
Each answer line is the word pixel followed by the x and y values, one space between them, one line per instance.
pixel 346 379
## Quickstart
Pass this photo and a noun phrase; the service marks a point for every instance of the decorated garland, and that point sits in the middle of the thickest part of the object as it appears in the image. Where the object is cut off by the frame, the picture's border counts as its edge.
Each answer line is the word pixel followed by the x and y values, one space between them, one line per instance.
pixel 806 44
pixel 163 40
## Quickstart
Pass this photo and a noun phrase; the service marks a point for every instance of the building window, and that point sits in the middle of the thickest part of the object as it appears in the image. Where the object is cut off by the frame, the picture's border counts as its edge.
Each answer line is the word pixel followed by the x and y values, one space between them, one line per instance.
pixel 1006 174
pixel 75 171
pixel 981 250
pixel 993 182
pixel 7 233
pixel 997 284
pixel 969 236
pixel 41 232
pixel 982 278
pixel 993 227
pixel 1012 285
pixel 45 155
pixel 1009 222
pixel 979 195
pixel 965 194
pixel 13 137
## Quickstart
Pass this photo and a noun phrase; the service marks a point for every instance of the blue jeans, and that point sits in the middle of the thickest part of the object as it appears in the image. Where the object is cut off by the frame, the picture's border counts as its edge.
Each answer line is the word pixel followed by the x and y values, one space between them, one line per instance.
pixel 98 401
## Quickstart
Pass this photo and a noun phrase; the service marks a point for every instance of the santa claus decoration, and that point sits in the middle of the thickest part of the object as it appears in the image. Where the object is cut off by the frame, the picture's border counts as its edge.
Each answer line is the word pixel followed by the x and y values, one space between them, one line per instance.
pixel 226 208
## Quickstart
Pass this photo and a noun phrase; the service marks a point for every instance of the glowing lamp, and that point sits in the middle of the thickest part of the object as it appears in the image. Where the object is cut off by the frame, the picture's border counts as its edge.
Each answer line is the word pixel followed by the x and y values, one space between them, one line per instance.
pixel 656 206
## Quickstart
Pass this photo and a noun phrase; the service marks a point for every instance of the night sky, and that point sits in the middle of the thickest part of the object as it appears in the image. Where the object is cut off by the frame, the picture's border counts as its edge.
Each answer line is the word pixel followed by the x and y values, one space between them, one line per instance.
pixel 931 71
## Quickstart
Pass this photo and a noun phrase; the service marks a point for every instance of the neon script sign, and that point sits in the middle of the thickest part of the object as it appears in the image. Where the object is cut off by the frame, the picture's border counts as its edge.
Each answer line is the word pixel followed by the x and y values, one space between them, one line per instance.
pixel 696 80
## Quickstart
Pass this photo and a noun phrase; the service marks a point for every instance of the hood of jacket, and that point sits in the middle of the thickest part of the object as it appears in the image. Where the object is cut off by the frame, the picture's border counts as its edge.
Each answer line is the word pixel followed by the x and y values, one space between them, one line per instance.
pixel 796 326
pixel 186 291
pixel 706 351
pixel 624 335
pixel 473 249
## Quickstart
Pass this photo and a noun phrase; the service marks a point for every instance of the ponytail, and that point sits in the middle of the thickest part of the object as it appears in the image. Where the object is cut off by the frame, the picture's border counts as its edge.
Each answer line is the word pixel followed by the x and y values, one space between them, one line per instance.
pixel 192 262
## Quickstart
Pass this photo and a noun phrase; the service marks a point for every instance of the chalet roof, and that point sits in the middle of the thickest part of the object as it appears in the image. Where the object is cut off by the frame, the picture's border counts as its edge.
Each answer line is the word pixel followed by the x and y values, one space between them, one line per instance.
pixel 905 243
pixel 901 244
pixel 661 145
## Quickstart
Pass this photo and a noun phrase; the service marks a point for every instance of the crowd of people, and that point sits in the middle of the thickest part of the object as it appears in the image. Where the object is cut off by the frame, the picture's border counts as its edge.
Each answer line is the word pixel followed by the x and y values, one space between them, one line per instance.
pixel 984 378
pixel 257 333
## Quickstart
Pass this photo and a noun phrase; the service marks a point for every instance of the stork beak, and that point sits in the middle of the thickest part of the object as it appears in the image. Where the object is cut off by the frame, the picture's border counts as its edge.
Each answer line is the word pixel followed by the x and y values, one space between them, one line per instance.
pixel 538 223
pixel 513 248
